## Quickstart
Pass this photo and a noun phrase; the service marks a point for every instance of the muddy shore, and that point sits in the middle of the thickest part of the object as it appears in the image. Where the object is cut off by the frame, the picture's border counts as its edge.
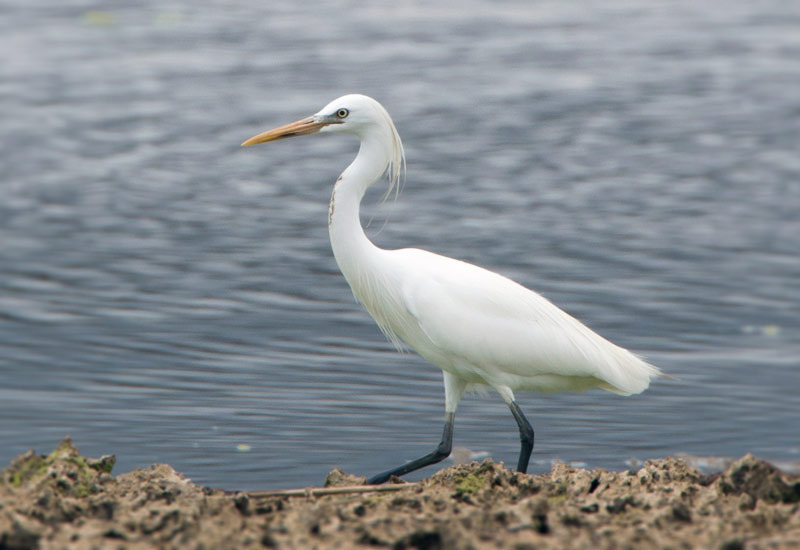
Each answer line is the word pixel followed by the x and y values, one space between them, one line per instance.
pixel 65 500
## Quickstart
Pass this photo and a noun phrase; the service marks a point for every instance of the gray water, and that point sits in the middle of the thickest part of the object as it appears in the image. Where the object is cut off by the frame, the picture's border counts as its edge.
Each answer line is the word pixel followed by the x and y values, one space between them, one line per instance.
pixel 168 296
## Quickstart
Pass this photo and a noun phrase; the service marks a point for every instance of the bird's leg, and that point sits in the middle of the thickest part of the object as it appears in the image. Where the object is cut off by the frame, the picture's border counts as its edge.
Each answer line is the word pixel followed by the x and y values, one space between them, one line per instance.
pixel 453 390
pixel 525 436
pixel 441 452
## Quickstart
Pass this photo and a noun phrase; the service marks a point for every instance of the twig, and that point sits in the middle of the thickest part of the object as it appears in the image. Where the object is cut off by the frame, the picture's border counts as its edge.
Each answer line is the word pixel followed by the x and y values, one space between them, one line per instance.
pixel 321 491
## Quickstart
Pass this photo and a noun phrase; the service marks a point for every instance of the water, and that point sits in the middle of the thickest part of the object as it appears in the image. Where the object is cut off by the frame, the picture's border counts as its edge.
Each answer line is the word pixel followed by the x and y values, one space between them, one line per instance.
pixel 170 297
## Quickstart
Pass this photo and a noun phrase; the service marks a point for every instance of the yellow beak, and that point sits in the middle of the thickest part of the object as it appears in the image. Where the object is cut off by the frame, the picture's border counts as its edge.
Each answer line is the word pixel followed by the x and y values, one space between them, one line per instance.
pixel 308 125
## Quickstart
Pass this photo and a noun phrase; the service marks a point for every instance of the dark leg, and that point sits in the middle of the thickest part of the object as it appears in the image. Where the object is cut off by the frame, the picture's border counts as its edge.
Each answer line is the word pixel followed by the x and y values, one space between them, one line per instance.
pixel 525 437
pixel 441 452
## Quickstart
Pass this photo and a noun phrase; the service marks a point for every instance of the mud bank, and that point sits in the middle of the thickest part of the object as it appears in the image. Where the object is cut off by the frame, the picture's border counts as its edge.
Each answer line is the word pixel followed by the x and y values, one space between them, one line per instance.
pixel 65 500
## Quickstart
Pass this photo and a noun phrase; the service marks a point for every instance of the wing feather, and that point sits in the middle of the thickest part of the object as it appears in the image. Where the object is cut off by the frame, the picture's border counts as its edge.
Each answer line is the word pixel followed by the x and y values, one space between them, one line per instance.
pixel 502 328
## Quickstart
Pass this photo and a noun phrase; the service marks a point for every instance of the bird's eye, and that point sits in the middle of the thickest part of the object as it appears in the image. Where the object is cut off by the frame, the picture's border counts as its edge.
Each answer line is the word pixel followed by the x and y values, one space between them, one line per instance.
pixel 342 113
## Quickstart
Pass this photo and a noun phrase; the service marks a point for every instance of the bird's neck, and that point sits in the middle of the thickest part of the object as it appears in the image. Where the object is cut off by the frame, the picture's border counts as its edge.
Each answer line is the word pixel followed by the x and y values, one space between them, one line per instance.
pixel 352 249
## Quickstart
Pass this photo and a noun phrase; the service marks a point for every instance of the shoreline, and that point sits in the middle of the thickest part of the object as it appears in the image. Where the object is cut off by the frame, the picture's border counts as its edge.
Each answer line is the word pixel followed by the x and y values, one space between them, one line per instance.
pixel 65 500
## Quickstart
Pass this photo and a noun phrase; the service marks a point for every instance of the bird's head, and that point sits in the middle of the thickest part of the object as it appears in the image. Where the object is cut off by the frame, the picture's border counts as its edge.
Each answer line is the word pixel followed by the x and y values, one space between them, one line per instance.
pixel 353 113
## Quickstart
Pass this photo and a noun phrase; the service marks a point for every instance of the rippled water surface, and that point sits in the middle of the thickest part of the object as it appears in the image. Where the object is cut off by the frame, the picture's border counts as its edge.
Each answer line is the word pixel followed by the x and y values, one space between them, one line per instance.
pixel 168 296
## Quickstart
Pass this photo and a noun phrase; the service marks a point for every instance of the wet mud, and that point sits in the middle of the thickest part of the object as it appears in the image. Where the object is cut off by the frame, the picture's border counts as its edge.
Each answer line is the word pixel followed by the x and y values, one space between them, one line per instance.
pixel 65 500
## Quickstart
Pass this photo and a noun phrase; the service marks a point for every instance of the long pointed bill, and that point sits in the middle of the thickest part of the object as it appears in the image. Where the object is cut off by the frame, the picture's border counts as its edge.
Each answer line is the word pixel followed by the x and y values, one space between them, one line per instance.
pixel 308 125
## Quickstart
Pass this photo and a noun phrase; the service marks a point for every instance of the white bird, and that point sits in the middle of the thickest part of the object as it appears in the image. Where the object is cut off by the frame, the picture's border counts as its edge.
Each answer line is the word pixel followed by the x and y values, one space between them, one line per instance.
pixel 480 328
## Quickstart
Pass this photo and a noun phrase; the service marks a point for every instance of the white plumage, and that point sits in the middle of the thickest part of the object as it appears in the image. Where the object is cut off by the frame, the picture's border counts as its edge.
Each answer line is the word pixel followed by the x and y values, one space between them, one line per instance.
pixel 479 327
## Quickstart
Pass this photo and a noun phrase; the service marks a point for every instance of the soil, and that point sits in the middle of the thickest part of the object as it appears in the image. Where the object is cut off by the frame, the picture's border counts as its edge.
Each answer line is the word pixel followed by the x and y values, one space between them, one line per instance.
pixel 65 500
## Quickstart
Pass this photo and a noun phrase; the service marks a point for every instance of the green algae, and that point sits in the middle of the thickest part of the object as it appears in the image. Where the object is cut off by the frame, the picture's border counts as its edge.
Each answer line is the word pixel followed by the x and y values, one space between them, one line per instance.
pixel 64 469
pixel 469 483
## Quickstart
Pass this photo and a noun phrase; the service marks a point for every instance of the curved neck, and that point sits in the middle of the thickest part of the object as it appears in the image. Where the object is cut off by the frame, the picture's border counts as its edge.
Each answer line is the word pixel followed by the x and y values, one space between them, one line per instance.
pixel 351 247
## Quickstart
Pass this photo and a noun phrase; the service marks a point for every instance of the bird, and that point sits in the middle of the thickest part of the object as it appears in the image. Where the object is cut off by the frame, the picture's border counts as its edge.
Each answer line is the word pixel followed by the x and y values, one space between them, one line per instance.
pixel 479 327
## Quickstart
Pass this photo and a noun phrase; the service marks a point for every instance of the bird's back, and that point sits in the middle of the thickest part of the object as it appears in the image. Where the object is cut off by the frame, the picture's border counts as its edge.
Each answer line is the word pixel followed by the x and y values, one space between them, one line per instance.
pixel 487 329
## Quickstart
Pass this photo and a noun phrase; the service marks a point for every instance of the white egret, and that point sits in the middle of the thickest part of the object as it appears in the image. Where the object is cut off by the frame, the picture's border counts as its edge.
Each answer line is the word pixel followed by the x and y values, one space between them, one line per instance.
pixel 480 328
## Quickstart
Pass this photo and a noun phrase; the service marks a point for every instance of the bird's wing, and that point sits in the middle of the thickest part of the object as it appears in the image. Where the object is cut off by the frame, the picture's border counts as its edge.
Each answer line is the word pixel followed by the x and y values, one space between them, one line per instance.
pixel 499 326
